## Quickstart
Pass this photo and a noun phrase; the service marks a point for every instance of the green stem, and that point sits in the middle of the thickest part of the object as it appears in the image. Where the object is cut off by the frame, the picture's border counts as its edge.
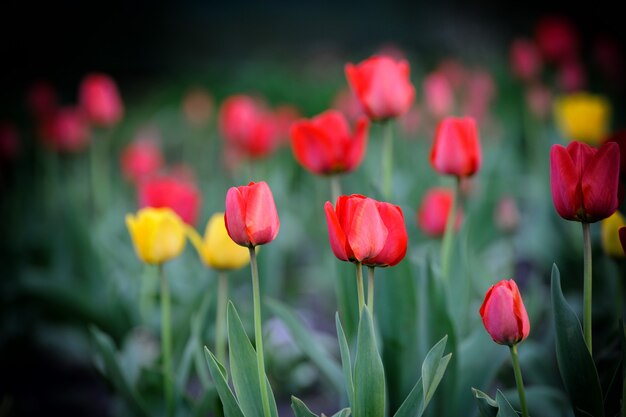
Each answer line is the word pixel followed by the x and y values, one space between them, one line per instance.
pixel 359 286
pixel 587 284
pixel 448 237
pixel 166 342
pixel 335 187
pixel 518 380
pixel 258 332
pixel 387 163
pixel 220 323
pixel 370 288
pixel 99 172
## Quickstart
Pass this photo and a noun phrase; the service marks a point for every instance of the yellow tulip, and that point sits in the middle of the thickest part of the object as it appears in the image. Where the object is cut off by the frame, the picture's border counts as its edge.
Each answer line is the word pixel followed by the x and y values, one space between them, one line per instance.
pixel 610 234
pixel 217 250
pixel 158 234
pixel 583 117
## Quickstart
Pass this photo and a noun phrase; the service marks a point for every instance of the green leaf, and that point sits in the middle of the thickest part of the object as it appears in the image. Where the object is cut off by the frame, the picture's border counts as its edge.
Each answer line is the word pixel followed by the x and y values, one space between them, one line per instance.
pixel 300 409
pixel 504 407
pixel 105 346
pixel 342 413
pixel 219 375
pixel 487 406
pixel 414 403
pixel 243 367
pixel 542 400
pixel 369 375
pixel 578 371
pixel 305 340
pixel 345 361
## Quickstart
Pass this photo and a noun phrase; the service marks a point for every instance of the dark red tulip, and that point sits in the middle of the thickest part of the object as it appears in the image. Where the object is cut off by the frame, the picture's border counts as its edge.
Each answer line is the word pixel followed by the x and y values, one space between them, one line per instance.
pixel 168 191
pixel 432 215
pixel 140 160
pixel 251 217
pixel 525 59
pixel 324 145
pixel 65 131
pixel 382 85
pixel 364 230
pixel 504 314
pixel 584 181
pixel 456 149
pixel 100 100
pixel 557 39
pixel 571 76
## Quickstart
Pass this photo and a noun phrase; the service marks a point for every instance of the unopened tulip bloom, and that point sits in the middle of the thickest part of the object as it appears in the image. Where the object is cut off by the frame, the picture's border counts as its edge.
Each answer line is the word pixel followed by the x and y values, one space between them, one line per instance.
pixel 382 85
pixel 456 149
pixel 438 95
pixel 525 59
pixel 610 234
pixel 557 39
pixel 168 191
pixel 324 145
pixel 140 160
pixel 434 211
pixel 216 249
pixel 158 234
pixel 583 117
pixel 251 217
pixel 584 181
pixel 101 101
pixel 66 131
pixel 504 315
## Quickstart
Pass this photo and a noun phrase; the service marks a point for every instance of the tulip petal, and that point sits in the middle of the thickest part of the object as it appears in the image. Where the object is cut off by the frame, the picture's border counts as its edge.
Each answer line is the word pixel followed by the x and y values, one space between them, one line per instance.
pixel 599 183
pixel 235 217
pixel 499 317
pixel 312 147
pixel 336 235
pixel 520 310
pixel 367 232
pixel 356 148
pixel 261 219
pixel 395 246
pixel 333 123
pixel 564 183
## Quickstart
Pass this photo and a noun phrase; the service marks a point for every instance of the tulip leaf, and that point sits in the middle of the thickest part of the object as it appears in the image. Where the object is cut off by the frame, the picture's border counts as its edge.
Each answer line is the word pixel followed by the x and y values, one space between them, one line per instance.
pixel 542 400
pixel 487 406
pixel 243 367
pixel 229 402
pixel 504 406
pixel 369 375
pixel 345 361
pixel 342 413
pixel 578 371
pixel 433 369
pixel 305 340
pixel 300 409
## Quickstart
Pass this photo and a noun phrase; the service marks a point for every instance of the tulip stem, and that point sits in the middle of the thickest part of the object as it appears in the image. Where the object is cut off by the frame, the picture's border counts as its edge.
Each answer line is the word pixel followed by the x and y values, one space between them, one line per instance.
pixel 446 245
pixel 359 286
pixel 335 187
pixel 370 288
pixel 518 380
pixel 258 332
pixel 587 284
pixel 166 342
pixel 220 320
pixel 387 159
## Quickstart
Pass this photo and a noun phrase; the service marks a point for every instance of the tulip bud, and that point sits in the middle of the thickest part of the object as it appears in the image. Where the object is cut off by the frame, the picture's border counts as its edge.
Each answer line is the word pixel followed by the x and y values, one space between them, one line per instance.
pixel 557 38
pixel 180 195
pixel 140 160
pixel 504 315
pixel 217 250
pixel 100 100
pixel 609 229
pixel 251 217
pixel 525 59
pixel 157 234
pixel 66 131
pixel 438 95
pixel 456 149
pixel 434 211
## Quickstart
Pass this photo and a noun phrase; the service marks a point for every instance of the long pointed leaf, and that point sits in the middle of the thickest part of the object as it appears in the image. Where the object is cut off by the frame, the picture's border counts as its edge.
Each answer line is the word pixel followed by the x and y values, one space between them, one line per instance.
pixel 218 373
pixel 504 407
pixel 346 362
pixel 487 406
pixel 300 409
pixel 369 375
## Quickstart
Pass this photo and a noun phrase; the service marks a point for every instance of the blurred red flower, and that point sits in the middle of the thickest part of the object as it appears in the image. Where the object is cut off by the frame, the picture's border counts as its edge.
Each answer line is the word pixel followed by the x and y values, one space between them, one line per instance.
pixel 525 59
pixel 65 131
pixel 438 95
pixel 141 159
pixel 557 39
pixel 456 149
pixel 101 101
pixel 168 191
pixel 434 211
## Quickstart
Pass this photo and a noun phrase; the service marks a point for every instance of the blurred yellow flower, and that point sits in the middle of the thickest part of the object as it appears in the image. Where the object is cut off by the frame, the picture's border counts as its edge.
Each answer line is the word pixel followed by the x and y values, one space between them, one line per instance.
pixel 158 234
pixel 610 234
pixel 217 250
pixel 583 117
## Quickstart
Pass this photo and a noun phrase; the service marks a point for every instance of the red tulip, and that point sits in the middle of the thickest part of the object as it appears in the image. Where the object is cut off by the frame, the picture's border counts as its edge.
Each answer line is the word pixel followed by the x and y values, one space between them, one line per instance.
pixel 141 159
pixel 557 39
pixel 525 59
pixel 167 191
pixel 622 237
pixel 247 126
pixel 434 211
pixel 364 230
pixel 66 130
pixel 251 217
pixel 571 76
pixel 584 181
pixel 456 150
pixel 324 144
pixel 438 95
pixel 504 314
pixel 382 85
pixel 101 100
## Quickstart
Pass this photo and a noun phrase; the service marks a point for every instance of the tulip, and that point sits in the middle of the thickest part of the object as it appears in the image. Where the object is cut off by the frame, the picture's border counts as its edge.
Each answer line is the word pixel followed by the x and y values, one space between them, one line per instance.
pixel 382 85
pixel 101 101
pixel 610 235
pixel 438 95
pixel 66 131
pixel 168 191
pixel 324 145
pixel 434 211
pixel 217 250
pixel 140 160
pixel 505 319
pixel 557 39
pixel 251 217
pixel 571 76
pixel 456 149
pixel 158 234
pixel 584 181
pixel 525 59
pixel 583 117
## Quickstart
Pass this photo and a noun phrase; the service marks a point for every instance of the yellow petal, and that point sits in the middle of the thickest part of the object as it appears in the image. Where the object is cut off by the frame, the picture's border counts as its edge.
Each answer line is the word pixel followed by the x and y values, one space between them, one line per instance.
pixel 583 117
pixel 221 251
pixel 609 229
pixel 158 234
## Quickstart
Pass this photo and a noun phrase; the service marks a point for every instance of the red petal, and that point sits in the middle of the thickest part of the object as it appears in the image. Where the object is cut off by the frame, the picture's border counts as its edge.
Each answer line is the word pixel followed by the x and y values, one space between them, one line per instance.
pixel 312 147
pixel 366 233
pixel 564 183
pixel 234 217
pixel 262 221
pixel 600 181
pixel 395 246
pixel 336 235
